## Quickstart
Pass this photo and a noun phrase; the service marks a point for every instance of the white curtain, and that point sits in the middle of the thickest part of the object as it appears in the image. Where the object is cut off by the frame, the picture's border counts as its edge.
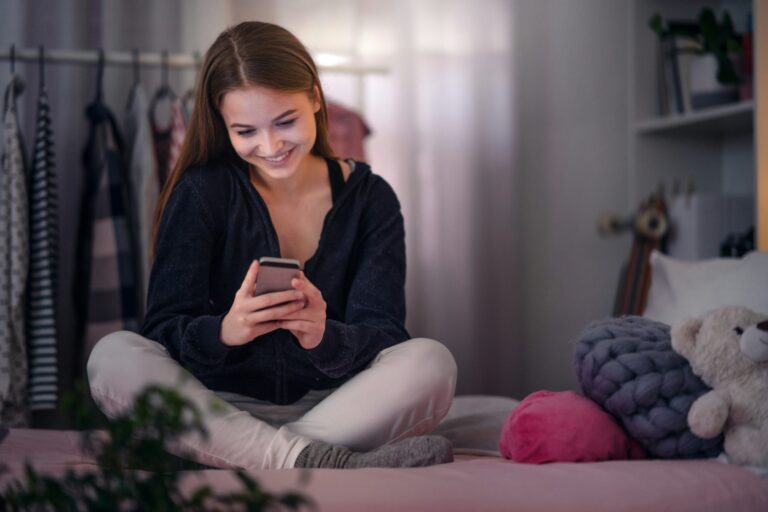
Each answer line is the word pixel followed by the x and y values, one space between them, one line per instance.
pixel 443 137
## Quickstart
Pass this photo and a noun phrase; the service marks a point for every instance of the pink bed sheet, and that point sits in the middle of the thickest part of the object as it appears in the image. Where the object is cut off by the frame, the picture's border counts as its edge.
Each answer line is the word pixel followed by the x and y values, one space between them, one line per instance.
pixel 470 483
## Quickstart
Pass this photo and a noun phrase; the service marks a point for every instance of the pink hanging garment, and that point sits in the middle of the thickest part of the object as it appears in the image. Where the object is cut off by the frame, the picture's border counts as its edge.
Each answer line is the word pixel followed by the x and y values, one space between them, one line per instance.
pixel 346 131
pixel 168 140
pixel 178 130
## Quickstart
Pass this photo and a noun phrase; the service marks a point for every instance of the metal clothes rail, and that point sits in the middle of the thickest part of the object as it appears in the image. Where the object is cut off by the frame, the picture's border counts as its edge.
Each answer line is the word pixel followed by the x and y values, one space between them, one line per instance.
pixel 170 60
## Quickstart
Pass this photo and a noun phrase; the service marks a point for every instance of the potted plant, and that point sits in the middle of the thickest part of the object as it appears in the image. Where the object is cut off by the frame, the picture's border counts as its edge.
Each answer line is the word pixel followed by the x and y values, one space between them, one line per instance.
pixel 134 471
pixel 713 49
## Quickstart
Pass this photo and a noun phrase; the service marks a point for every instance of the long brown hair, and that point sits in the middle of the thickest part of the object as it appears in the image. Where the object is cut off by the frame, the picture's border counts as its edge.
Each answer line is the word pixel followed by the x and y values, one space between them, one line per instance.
pixel 250 53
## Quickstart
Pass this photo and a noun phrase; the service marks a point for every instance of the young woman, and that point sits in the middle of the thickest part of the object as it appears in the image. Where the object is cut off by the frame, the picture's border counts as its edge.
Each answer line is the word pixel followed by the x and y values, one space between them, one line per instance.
pixel 322 375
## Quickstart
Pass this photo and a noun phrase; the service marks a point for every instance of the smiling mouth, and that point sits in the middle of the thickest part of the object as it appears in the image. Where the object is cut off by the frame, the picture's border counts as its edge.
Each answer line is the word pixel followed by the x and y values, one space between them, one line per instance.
pixel 278 159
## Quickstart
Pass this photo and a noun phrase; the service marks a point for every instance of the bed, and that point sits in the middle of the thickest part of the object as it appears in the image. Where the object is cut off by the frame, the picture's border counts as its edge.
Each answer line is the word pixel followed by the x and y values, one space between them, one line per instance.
pixel 479 479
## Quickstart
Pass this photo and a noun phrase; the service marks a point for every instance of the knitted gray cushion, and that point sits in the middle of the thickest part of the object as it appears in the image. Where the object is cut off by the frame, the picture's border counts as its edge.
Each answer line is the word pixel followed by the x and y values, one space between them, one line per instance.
pixel 628 367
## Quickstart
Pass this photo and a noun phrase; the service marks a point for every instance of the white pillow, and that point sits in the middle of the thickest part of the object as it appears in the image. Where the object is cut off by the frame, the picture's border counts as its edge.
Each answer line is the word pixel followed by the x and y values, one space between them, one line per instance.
pixel 474 422
pixel 681 289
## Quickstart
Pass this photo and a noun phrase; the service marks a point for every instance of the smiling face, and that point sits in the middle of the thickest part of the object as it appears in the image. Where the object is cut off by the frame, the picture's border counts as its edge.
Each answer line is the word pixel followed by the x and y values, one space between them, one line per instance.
pixel 272 130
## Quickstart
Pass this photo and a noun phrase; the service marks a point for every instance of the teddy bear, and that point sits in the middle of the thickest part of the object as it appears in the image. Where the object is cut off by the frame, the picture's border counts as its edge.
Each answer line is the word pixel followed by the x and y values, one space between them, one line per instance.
pixel 728 349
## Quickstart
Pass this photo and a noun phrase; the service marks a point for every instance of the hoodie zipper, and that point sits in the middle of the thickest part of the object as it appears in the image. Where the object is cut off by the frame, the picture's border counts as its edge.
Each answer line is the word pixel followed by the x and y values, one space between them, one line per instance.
pixel 280 384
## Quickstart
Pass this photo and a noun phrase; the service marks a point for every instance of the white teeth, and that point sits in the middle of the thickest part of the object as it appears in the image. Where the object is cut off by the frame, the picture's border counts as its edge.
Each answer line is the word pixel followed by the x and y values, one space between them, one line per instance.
pixel 277 159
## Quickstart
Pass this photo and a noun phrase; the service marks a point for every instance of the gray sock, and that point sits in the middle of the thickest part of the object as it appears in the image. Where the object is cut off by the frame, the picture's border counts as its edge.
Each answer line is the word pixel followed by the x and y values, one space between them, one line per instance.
pixel 409 453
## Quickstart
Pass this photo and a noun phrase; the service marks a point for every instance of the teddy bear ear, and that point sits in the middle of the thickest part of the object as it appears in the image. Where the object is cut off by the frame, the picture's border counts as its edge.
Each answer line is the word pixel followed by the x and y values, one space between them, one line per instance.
pixel 684 336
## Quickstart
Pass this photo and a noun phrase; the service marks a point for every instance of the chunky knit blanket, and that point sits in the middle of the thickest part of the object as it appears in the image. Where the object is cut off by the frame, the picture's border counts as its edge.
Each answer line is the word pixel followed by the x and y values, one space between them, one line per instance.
pixel 627 366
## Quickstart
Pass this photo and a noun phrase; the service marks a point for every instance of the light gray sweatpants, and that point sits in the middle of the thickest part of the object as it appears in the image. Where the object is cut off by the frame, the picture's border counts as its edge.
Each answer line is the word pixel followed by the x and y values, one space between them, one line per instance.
pixel 405 391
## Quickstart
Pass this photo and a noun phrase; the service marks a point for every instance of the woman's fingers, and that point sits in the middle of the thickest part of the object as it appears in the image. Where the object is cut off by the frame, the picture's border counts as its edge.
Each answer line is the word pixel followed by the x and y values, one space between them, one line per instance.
pixel 299 325
pixel 308 334
pixel 309 314
pixel 274 313
pixel 264 328
pixel 268 300
pixel 237 331
pixel 246 288
pixel 303 284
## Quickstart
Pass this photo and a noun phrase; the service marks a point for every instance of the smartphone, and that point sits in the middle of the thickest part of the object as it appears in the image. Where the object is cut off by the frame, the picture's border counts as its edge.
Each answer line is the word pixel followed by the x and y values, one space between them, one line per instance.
pixel 275 274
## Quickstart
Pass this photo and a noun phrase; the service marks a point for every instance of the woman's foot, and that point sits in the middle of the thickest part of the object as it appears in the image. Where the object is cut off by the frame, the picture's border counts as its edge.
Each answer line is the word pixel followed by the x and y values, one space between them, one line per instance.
pixel 408 453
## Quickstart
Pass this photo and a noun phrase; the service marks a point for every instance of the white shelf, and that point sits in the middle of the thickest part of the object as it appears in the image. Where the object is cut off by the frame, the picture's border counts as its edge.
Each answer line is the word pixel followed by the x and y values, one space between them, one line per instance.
pixel 714 147
pixel 722 120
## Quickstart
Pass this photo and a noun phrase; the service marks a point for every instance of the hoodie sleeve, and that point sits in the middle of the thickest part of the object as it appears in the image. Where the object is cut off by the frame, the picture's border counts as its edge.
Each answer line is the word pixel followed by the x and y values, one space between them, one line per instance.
pixel 179 312
pixel 375 314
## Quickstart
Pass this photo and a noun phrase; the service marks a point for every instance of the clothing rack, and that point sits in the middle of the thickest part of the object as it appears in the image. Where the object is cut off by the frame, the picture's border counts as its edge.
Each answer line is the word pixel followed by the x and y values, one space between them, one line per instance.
pixel 171 60
pixel 166 61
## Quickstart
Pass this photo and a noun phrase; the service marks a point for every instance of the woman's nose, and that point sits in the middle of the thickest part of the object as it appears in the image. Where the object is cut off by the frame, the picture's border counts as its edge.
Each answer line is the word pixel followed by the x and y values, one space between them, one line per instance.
pixel 269 144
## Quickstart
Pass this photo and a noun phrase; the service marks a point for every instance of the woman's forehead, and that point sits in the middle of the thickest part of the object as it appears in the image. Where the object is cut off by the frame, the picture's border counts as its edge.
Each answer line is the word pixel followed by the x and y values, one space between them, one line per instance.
pixel 259 101
pixel 262 94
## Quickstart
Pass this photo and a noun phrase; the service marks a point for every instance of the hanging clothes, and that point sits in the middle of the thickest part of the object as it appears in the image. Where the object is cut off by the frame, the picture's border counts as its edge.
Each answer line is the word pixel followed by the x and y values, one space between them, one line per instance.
pixel 43 265
pixel 346 132
pixel 144 179
pixel 178 131
pixel 168 140
pixel 106 282
pixel 14 260
pixel 187 105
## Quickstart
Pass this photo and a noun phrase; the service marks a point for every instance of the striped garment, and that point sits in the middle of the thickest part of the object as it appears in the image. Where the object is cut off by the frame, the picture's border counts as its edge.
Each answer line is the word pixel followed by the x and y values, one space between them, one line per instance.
pixel 43 266
pixel 14 257
pixel 106 284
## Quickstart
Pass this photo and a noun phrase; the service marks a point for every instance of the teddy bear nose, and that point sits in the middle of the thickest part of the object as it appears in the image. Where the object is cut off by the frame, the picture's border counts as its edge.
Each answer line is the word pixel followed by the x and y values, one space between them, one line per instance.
pixel 754 342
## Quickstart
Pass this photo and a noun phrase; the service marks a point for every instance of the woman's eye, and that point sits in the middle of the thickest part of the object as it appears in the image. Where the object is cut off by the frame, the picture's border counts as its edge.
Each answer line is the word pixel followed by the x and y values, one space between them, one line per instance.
pixel 285 124
pixel 246 132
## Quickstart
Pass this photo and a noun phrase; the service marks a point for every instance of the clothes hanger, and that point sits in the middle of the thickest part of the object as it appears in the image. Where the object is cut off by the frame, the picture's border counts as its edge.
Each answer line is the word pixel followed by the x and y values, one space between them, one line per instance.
pixel 164 92
pixel 17 84
pixel 190 94
pixel 188 100
pixel 41 60
pixel 100 77
pixel 136 74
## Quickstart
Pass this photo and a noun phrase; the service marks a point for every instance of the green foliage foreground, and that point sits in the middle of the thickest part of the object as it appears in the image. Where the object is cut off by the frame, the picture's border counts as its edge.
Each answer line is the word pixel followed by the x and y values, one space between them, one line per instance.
pixel 134 471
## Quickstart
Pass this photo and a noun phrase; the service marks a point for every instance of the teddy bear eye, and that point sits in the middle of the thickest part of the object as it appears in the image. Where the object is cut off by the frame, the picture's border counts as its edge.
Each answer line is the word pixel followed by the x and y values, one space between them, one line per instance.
pixel 738 330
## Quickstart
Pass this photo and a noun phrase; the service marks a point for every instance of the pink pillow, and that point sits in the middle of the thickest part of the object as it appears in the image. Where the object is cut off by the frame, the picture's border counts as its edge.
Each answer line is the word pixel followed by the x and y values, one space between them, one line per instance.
pixel 563 426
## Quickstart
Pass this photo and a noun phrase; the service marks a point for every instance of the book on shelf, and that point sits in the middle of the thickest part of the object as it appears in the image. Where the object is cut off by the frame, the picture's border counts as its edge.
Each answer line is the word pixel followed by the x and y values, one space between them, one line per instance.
pixel 676 53
pixel 669 88
pixel 687 77
pixel 662 87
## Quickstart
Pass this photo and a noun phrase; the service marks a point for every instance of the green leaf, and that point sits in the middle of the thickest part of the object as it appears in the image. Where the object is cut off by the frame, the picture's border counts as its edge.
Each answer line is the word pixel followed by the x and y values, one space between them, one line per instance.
pixel 657 25
pixel 135 439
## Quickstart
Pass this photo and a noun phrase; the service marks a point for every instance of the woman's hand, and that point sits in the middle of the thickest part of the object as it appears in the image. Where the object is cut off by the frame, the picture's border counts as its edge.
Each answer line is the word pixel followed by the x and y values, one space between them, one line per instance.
pixel 250 317
pixel 307 324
